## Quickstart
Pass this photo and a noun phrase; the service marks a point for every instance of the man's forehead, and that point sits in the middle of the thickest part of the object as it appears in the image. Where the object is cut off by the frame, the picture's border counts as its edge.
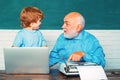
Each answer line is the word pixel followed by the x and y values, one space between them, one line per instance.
pixel 68 19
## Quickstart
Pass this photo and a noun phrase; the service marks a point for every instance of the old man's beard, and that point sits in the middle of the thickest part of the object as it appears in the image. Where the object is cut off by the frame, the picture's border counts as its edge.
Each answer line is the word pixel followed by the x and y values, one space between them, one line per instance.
pixel 71 34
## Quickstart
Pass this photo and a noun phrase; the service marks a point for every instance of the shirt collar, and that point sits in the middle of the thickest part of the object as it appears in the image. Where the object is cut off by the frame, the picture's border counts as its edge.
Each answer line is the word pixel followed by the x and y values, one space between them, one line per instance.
pixel 79 36
pixel 31 31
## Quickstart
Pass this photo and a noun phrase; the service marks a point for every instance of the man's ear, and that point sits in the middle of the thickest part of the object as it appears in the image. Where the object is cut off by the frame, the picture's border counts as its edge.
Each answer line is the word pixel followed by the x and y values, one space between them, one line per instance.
pixel 79 27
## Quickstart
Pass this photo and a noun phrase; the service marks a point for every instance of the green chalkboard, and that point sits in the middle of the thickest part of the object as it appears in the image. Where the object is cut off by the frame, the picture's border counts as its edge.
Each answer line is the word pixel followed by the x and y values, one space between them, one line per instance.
pixel 99 14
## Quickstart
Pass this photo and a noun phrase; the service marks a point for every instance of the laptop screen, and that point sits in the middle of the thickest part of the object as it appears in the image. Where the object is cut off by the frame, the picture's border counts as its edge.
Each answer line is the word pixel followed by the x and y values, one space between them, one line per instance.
pixel 27 60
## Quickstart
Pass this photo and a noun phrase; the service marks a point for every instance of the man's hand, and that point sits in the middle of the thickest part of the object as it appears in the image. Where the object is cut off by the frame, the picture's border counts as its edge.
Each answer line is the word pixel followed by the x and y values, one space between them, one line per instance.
pixel 76 56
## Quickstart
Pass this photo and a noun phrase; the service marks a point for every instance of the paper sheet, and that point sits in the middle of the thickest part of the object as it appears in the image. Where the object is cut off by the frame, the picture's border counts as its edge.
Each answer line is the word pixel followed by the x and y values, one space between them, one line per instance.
pixel 92 73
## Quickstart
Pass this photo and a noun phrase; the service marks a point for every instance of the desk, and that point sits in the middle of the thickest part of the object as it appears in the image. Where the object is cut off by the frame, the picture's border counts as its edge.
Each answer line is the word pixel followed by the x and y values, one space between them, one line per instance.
pixel 54 75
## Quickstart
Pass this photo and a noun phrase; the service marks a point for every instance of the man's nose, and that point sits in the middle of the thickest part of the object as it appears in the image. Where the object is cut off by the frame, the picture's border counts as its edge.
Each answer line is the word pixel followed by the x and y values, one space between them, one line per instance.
pixel 63 26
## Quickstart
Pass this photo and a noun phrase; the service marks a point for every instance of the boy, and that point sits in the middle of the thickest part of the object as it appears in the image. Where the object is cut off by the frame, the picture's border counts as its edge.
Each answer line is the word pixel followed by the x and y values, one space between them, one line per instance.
pixel 30 36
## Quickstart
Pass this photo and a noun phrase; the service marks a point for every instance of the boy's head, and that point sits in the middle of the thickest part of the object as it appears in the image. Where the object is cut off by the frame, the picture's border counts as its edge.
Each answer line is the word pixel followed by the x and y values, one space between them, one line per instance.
pixel 30 15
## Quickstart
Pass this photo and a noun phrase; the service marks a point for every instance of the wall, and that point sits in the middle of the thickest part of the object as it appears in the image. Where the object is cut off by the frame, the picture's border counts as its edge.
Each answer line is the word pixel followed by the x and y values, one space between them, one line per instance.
pixel 109 39
pixel 99 14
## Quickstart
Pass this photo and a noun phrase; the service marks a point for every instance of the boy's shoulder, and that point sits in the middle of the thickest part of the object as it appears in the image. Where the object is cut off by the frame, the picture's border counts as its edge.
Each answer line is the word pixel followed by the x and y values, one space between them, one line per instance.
pixel 21 31
pixel 25 31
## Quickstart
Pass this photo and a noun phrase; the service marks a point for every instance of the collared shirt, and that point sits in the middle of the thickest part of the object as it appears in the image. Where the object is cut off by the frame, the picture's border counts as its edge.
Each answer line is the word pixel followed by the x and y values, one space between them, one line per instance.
pixel 84 42
pixel 28 38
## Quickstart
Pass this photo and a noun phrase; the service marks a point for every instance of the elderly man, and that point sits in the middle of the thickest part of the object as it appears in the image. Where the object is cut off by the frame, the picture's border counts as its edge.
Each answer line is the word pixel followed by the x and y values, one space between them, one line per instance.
pixel 75 44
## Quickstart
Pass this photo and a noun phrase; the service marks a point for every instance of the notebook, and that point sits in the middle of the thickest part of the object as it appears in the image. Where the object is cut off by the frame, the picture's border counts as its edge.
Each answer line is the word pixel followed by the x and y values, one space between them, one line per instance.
pixel 25 60
pixel 92 73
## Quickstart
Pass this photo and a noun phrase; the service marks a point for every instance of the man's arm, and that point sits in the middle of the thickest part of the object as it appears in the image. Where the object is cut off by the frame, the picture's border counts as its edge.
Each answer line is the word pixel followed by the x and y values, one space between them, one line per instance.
pixel 92 54
pixel 95 54
pixel 53 58
pixel 54 54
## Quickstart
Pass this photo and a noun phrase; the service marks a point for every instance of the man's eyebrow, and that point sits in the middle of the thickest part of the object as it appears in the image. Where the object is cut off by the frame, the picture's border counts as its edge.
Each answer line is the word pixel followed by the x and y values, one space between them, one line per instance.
pixel 67 22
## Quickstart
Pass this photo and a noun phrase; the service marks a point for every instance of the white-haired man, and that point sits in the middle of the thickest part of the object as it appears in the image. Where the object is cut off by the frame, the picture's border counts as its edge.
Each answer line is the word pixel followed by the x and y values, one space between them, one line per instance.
pixel 75 44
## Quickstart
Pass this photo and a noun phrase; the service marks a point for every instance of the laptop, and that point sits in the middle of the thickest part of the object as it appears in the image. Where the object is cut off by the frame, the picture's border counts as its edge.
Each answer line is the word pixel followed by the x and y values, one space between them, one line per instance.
pixel 26 60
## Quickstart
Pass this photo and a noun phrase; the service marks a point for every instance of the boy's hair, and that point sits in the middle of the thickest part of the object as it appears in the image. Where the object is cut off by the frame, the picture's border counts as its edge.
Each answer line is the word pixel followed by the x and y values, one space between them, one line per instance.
pixel 30 14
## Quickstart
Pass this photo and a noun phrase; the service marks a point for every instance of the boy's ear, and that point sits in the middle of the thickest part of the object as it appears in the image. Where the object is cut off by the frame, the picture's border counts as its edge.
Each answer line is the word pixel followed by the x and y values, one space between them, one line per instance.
pixel 31 24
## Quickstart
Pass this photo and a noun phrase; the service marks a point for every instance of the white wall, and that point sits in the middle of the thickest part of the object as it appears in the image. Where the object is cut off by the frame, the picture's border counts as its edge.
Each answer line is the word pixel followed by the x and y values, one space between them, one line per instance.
pixel 109 39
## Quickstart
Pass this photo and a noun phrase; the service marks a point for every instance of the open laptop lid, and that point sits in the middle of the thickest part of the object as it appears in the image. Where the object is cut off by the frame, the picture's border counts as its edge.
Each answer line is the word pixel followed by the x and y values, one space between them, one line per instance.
pixel 27 60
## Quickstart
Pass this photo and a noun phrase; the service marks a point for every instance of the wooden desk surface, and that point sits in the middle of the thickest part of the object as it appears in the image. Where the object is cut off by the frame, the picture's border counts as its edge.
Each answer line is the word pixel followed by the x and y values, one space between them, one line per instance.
pixel 54 75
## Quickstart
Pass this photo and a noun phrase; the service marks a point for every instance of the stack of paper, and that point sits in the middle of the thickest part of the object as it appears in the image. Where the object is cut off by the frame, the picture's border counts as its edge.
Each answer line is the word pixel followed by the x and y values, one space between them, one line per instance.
pixel 91 73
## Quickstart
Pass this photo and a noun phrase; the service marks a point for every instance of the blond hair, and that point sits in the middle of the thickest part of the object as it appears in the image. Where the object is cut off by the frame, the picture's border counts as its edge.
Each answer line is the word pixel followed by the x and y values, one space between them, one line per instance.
pixel 30 14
